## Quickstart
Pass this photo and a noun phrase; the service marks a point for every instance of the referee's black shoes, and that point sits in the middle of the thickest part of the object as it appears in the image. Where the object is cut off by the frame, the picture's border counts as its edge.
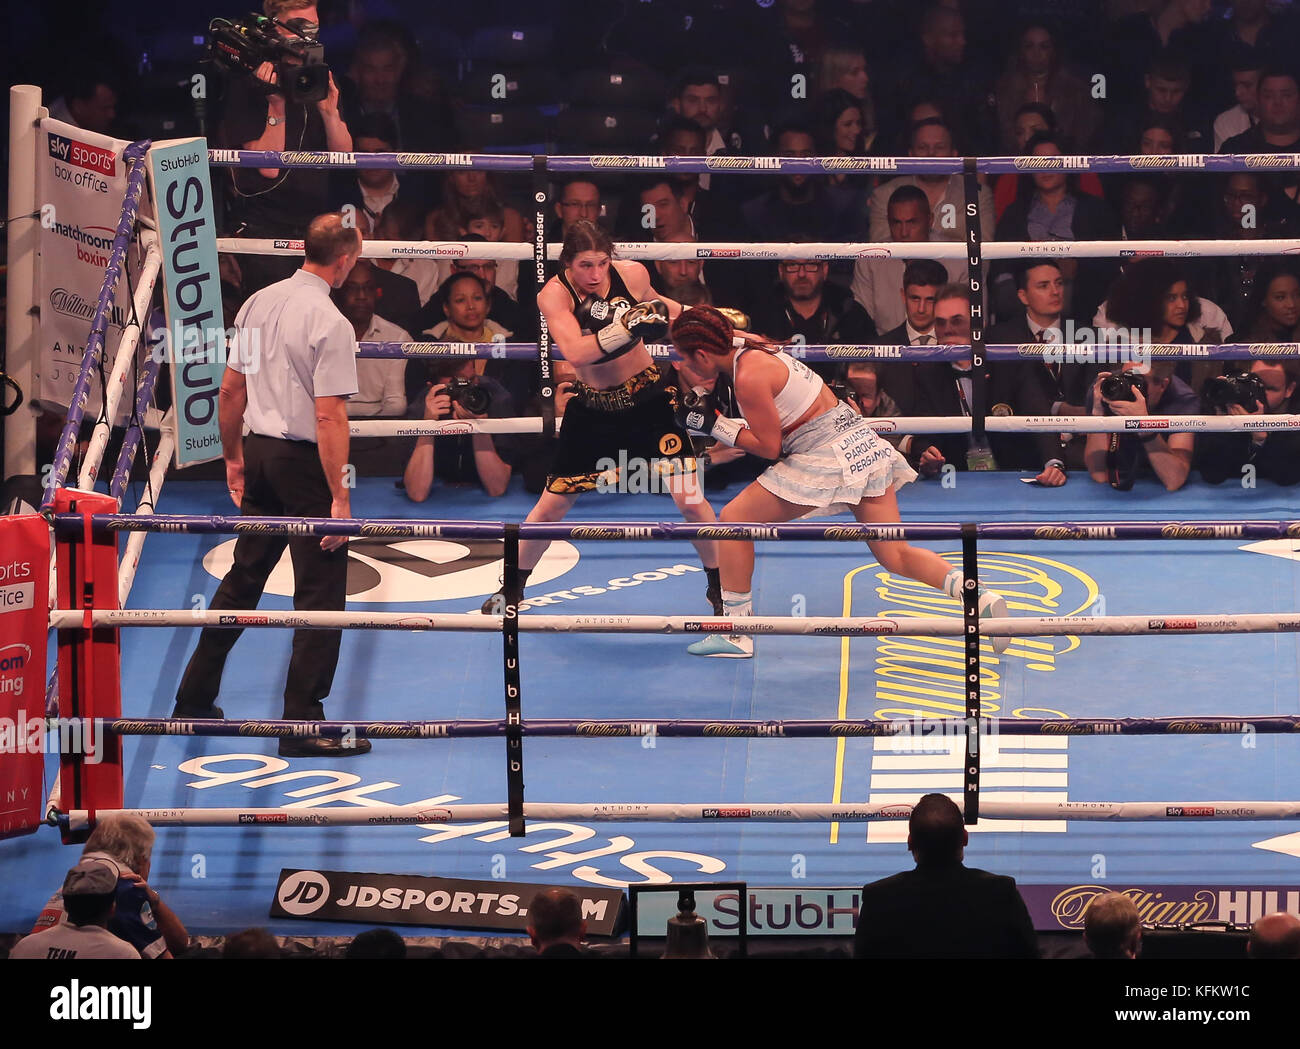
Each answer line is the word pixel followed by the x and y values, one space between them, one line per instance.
pixel 323 748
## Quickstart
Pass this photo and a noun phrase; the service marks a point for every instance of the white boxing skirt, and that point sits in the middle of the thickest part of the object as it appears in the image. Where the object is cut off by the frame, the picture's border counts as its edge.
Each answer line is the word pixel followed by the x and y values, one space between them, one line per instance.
pixel 833 462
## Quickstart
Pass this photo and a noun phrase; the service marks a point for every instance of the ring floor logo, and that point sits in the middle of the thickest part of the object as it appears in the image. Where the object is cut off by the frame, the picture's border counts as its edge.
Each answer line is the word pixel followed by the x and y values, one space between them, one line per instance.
pixel 400 571
pixel 304 893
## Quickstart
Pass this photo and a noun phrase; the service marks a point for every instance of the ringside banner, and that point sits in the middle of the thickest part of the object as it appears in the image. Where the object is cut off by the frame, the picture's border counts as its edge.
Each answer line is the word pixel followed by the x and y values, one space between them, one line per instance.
pixel 195 341
pixel 24 597
pixel 447 903
pixel 81 181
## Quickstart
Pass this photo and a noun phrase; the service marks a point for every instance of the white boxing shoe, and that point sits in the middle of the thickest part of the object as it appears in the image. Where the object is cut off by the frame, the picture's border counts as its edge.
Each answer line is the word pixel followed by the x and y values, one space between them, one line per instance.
pixel 725 646
pixel 994 606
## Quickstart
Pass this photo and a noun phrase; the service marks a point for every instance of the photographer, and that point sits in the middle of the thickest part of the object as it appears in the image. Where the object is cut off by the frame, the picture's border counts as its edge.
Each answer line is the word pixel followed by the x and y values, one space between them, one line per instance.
pixel 270 202
pixel 459 392
pixel 1274 456
pixel 1117 459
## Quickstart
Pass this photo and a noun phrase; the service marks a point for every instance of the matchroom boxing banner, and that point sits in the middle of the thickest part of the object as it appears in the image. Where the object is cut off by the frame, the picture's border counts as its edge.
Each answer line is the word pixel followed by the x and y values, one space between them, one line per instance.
pixel 81 183
pixel 196 336
pixel 24 623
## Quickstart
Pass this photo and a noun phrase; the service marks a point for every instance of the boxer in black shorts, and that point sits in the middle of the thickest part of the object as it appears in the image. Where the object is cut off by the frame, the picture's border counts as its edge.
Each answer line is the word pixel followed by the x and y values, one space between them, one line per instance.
pixel 626 406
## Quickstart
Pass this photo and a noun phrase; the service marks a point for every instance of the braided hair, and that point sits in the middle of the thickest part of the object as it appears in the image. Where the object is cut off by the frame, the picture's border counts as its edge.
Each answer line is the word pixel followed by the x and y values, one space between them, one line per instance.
pixel 707 329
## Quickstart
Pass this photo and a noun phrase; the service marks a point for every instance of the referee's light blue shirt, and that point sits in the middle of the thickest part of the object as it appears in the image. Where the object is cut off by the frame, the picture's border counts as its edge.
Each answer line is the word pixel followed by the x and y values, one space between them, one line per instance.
pixel 292 346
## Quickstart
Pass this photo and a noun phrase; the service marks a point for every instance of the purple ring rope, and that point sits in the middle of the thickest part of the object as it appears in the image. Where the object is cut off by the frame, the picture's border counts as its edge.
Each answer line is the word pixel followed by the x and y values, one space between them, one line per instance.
pixel 133 155
pixel 134 433
pixel 684 728
pixel 199 524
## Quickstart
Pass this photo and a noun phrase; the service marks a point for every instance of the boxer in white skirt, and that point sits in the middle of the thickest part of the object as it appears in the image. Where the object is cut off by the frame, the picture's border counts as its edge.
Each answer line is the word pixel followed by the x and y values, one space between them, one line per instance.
pixel 830 461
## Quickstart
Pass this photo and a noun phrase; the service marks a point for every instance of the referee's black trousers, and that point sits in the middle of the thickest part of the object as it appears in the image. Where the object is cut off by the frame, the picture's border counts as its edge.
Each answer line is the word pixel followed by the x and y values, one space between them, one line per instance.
pixel 280 478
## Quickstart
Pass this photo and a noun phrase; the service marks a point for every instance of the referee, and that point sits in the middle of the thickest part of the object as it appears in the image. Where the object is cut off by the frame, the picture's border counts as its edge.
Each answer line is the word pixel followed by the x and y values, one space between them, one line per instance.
pixel 290 373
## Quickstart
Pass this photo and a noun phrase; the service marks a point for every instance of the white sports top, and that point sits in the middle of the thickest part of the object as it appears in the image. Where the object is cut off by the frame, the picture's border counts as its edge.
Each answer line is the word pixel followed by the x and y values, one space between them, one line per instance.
pixel 799 392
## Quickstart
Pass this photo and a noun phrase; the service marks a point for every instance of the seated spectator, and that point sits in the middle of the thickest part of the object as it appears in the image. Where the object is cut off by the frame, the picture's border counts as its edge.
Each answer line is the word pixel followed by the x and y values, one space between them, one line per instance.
pixel 1156 301
pixel 89 897
pixel 657 210
pixel 1165 86
pixel 577 199
pixel 487 220
pixel 1112 928
pixel 675 277
pixel 1240 118
pixel 397 298
pixel 942 908
pixel 1050 207
pixel 251 943
pixel 799 208
pixel 945 388
pixel 1037 76
pixel 840 124
pixel 1133 42
pixel 1277 305
pixel 713 216
pixel 1271 456
pixel 404 220
pixel 1045 387
pixel 481 458
pixel 368 191
pixel 1245 211
pixel 556 925
pixel 1278 128
pixel 466 301
pixel 1275 936
pixel 1144 207
pixel 945 70
pixel 376 944
pixel 466 190
pixel 384 54
pixel 505 314
pixel 1031 118
pixel 807 308
pixel 381 390
pixel 697 95
pixel 946 194
pixel 877 281
pixel 89 100
pixel 1119 459
pixel 843 67
pixel 921 281
pixel 124 843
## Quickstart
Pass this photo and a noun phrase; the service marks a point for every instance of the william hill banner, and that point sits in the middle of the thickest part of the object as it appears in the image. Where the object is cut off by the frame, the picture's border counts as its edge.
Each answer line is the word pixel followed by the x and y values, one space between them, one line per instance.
pixel 445 903
pixel 195 341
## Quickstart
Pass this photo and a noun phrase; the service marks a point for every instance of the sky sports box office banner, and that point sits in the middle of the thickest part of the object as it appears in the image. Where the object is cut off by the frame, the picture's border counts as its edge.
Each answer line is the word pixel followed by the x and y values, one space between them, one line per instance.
pixel 81 183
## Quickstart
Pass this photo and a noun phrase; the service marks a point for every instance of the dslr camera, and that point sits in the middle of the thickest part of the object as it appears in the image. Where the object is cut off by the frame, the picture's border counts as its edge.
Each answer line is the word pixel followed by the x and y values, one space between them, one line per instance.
pixel 1120 386
pixel 1223 391
pixel 474 398
pixel 241 46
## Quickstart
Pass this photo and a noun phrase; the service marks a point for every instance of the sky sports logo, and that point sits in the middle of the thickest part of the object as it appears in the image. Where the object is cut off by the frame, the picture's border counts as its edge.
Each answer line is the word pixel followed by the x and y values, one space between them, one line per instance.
pixel 82 155
pixel 726 814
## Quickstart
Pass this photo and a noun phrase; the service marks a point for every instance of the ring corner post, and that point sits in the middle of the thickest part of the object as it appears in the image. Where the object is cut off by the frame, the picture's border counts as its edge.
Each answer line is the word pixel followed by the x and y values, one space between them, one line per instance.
pixel 971 614
pixel 514 717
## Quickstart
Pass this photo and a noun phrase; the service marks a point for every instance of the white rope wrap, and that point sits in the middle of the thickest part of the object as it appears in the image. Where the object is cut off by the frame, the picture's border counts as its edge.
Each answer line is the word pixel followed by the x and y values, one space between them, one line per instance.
pixel 1157 624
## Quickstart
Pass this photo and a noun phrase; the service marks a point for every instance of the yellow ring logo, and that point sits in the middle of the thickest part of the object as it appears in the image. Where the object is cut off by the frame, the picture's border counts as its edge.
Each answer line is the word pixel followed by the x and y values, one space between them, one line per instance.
pixel 670 444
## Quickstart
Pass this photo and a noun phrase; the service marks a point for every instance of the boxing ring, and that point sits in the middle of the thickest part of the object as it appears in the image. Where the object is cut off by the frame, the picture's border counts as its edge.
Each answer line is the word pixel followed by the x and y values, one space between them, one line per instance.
pixel 796 768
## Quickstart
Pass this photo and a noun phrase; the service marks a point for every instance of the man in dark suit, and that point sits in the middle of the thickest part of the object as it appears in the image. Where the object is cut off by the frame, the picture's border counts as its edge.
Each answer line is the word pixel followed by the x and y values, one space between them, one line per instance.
pixel 375 86
pixel 1045 387
pixel 946 388
pixel 805 307
pixel 556 925
pixel 942 909
pixel 922 279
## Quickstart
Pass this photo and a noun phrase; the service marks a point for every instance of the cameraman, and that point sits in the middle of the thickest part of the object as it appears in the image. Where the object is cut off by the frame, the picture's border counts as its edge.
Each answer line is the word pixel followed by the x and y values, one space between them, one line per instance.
pixel 1117 459
pixel 270 202
pixel 479 458
pixel 1275 456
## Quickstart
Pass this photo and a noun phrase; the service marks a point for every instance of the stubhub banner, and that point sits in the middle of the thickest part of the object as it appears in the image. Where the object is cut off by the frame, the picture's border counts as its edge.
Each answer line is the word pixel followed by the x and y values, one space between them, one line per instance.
pixel 195 341
pixel 447 903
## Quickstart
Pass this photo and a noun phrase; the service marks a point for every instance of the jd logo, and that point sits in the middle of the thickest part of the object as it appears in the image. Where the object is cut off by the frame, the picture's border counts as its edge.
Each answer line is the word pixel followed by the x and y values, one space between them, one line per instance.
pixel 303 892
pixel 400 571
